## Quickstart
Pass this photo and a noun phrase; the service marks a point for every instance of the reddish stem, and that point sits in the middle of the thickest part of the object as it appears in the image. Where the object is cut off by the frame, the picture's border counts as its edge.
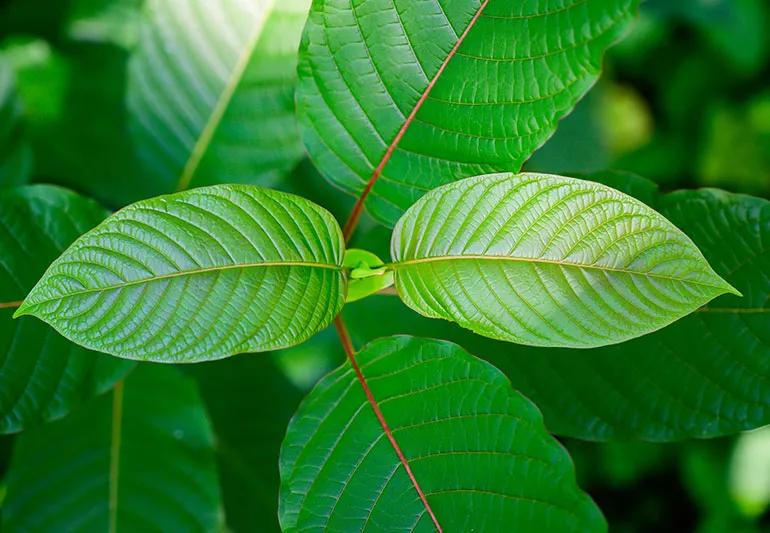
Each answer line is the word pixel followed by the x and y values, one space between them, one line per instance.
pixel 347 344
pixel 358 208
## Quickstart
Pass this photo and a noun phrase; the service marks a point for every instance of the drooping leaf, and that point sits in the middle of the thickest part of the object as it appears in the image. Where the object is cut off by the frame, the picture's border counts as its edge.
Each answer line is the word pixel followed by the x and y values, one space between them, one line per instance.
pixel 478 450
pixel 547 261
pixel 211 91
pixel 140 459
pixel 197 275
pixel 42 375
pixel 250 403
pixel 416 95
pixel 703 376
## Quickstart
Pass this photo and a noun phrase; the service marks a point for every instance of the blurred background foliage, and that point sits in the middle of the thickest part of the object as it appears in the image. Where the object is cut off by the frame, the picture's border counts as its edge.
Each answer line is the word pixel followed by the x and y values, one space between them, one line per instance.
pixel 685 101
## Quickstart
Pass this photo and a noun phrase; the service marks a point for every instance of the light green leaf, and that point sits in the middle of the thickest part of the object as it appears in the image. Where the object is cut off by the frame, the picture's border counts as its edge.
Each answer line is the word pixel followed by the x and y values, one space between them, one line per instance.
pixel 211 91
pixel 42 375
pixel 197 275
pixel 140 459
pixel 368 274
pixel 413 96
pixel 477 448
pixel 547 261
pixel 703 376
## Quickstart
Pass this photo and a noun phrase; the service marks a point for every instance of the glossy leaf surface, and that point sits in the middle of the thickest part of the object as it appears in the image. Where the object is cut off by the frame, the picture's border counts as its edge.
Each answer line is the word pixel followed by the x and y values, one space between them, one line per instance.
pixel 547 261
pixel 421 94
pixel 42 375
pixel 140 459
pixel 211 91
pixel 477 448
pixel 197 275
pixel 702 376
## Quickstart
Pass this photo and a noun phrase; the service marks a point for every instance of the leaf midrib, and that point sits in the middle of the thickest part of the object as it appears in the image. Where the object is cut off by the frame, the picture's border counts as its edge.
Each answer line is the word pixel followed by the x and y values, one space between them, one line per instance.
pixel 223 102
pixel 181 273
pixel 540 260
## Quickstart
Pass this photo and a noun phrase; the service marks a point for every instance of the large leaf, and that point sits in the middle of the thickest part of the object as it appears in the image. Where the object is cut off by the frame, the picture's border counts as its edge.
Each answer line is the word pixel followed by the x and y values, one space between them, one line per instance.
pixel 42 375
pixel 547 261
pixel 140 459
pixel 703 376
pixel 197 275
pixel 409 96
pixel 478 450
pixel 211 91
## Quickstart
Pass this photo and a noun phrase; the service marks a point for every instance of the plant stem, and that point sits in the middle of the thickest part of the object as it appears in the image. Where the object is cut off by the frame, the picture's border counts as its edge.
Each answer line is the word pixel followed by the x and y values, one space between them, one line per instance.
pixel 347 344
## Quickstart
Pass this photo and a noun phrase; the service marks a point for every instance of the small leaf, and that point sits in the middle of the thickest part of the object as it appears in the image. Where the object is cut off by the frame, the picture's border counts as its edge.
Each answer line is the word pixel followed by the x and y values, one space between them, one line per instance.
pixel 211 91
pixel 367 274
pixel 547 261
pixel 477 448
pixel 140 459
pixel 197 275
pixel 42 375
pixel 408 98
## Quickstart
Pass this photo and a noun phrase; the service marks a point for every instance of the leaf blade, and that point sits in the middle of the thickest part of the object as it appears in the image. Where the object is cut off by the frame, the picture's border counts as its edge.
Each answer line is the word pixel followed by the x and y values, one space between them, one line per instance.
pixel 198 275
pixel 547 261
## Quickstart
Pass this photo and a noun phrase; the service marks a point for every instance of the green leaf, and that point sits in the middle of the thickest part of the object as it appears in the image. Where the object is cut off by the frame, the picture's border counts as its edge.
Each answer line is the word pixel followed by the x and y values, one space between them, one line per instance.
pixel 15 154
pixel 42 375
pixel 197 275
pixel 109 467
pixel 477 448
pixel 211 91
pixel 703 376
pixel 368 274
pixel 547 261
pixel 409 98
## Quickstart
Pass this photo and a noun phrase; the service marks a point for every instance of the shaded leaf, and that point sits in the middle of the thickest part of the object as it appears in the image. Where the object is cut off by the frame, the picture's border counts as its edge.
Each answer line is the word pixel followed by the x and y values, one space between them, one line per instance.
pixel 211 91
pixel 477 448
pixel 15 154
pixel 504 72
pixel 42 375
pixel 547 261
pixel 108 465
pixel 197 275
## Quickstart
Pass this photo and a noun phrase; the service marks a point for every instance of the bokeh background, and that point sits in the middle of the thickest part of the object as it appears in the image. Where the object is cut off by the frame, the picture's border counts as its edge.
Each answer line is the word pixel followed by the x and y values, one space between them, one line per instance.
pixel 684 101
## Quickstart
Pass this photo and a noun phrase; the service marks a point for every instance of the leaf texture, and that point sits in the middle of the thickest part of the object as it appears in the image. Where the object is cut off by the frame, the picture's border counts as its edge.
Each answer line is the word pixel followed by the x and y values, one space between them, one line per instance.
pixel 211 91
pixel 198 275
pixel 703 376
pixel 547 261
pixel 478 449
pixel 386 94
pixel 42 375
pixel 141 459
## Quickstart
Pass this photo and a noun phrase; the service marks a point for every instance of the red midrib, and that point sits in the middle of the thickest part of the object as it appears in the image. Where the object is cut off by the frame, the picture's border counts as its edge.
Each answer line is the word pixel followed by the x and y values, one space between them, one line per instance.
pixel 350 352
pixel 355 214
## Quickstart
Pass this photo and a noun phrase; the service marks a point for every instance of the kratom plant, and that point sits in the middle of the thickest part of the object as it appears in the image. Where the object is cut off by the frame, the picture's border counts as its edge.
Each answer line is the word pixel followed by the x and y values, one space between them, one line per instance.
pixel 425 111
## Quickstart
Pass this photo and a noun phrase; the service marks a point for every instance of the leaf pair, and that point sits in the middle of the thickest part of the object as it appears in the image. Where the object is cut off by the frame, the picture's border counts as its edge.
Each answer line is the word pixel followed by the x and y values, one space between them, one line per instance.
pixel 533 259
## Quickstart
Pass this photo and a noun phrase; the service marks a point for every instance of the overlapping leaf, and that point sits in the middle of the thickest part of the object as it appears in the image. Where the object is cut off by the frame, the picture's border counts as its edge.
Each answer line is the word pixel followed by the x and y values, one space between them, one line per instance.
pixel 42 375
pixel 140 459
pixel 211 91
pixel 478 450
pixel 703 376
pixel 197 275
pixel 366 73
pixel 547 261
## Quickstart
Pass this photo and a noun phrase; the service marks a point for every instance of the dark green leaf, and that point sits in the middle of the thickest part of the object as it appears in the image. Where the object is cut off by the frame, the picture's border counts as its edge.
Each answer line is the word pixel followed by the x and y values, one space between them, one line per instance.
pixel 198 275
pixel 547 261
pixel 15 154
pixel 141 459
pixel 42 375
pixel 370 109
pixel 477 448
